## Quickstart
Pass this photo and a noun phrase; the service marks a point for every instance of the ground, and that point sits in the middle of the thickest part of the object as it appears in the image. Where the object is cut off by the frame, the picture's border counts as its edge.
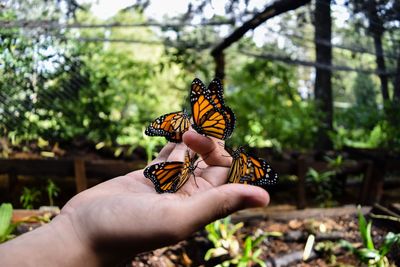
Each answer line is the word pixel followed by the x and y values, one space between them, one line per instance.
pixel 329 226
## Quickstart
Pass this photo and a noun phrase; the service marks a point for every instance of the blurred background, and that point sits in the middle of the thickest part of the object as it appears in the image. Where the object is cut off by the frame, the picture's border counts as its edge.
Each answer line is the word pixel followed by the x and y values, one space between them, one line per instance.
pixel 314 84
pixel 311 82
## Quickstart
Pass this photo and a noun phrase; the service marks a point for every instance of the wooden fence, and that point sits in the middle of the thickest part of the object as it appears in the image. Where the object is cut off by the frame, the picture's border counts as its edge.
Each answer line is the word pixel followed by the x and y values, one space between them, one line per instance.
pixel 372 169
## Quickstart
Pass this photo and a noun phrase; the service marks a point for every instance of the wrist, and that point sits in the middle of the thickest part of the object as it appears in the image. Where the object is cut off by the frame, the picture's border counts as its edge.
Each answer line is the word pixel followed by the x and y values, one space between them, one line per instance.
pixel 68 238
pixel 45 244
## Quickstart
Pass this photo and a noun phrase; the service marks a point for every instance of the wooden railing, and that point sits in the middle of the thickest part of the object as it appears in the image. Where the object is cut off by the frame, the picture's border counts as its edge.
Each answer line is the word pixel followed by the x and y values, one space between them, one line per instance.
pixel 79 168
pixel 372 170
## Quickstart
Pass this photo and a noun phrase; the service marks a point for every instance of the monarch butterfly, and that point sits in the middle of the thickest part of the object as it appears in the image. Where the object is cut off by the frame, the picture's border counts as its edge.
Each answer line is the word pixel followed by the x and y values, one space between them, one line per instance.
pixel 216 91
pixel 169 176
pixel 246 169
pixel 172 126
pixel 210 116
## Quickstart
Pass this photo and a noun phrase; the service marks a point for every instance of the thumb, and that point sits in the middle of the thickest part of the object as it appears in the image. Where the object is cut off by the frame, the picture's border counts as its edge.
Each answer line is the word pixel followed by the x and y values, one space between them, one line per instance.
pixel 221 201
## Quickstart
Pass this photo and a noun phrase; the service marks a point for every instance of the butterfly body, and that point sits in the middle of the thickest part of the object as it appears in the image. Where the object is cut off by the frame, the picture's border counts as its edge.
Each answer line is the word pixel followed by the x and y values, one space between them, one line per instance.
pixel 170 176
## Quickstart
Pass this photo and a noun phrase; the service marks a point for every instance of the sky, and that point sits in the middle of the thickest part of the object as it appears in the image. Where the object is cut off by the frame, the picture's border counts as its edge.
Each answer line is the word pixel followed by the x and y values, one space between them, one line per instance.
pixel 159 8
pixel 105 8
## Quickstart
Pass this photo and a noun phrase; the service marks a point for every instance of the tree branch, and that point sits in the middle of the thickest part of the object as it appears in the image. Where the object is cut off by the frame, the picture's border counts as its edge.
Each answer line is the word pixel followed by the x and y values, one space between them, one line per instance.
pixel 276 8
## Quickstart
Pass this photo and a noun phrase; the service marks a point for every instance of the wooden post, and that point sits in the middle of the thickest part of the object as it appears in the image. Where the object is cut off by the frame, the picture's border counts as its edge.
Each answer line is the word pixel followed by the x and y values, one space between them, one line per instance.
pixel 372 189
pixel 12 185
pixel 80 175
pixel 301 186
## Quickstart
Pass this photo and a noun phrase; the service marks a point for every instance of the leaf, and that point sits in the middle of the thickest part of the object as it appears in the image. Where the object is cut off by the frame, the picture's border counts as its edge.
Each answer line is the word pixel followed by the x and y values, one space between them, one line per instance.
pixel 214 240
pixel 368 254
pixel 260 262
pixel 259 239
pixel 257 253
pixel 347 245
pixel 215 252
pixel 209 253
pixel 235 228
pixel 5 220
pixel 390 240
pixel 248 244
pixel 365 230
pixel 312 173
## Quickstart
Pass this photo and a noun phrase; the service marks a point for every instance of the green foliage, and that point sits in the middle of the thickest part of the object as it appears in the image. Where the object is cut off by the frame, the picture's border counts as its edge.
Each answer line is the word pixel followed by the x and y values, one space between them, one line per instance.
pixel 323 186
pixel 29 197
pixel 326 250
pixel 6 227
pixel 390 126
pixel 225 238
pixel 251 253
pixel 365 92
pixel 103 93
pixel 368 254
pixel 336 163
pixel 359 138
pixel 365 124
pixel 269 109
pixel 222 234
pixel 74 91
pixel 52 191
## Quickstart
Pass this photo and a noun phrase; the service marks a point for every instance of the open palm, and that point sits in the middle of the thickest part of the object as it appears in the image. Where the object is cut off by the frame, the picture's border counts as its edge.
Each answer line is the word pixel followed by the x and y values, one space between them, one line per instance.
pixel 125 215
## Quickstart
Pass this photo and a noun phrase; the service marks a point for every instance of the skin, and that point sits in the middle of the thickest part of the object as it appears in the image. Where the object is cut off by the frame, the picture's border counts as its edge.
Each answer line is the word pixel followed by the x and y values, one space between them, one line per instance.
pixel 107 224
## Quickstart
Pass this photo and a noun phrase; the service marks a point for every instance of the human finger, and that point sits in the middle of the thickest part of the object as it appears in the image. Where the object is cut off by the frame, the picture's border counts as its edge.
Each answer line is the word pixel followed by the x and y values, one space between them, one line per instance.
pixel 209 149
pixel 164 153
pixel 178 153
pixel 220 202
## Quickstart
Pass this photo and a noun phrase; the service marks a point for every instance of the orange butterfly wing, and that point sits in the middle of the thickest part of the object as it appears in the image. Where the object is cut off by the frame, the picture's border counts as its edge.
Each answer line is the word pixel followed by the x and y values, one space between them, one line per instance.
pixel 172 126
pixel 260 173
pixel 169 176
pixel 238 167
pixel 210 118
pixel 247 169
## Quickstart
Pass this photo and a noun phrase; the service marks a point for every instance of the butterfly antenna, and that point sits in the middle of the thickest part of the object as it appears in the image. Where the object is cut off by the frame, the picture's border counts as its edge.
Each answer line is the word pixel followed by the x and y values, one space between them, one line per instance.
pixel 195 181
pixel 194 176
pixel 197 163
pixel 229 151
pixel 250 141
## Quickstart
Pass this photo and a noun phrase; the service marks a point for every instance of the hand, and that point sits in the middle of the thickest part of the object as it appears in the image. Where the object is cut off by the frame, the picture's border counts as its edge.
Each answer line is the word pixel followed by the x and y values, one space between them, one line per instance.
pixel 124 216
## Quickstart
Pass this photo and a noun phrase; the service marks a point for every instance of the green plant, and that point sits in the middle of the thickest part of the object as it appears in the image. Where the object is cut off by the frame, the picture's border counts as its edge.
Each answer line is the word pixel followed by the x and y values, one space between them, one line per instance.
pixel 251 252
pixel 335 163
pixel 29 197
pixel 6 227
pixel 321 183
pixel 368 254
pixel 281 118
pixel 326 250
pixel 52 191
pixel 223 234
pixel 150 145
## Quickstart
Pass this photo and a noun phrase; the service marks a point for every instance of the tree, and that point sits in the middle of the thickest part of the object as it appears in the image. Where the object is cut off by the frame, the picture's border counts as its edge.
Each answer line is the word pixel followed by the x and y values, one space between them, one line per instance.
pixel 323 84
pixel 380 15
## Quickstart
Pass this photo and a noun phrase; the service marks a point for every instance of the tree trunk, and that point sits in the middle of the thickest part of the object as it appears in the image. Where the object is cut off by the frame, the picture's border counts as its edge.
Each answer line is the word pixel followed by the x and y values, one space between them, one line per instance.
pixel 219 60
pixel 376 29
pixel 396 92
pixel 323 85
